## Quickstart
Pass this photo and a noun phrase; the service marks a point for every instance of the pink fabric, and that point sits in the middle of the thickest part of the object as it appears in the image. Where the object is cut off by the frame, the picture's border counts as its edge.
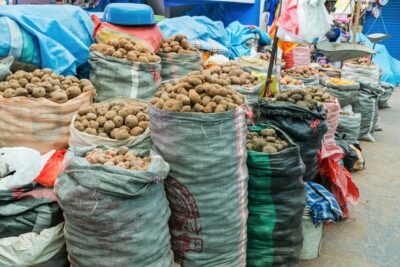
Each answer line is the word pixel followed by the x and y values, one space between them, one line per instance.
pixel 329 147
pixel 288 19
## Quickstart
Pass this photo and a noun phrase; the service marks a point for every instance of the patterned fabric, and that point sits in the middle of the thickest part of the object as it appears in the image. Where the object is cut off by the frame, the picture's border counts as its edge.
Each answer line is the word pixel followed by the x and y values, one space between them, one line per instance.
pixel 210 45
pixel 322 204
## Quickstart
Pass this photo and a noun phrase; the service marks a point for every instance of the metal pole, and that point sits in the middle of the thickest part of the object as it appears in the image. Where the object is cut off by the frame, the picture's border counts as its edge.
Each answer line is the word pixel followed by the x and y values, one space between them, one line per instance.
pixel 273 55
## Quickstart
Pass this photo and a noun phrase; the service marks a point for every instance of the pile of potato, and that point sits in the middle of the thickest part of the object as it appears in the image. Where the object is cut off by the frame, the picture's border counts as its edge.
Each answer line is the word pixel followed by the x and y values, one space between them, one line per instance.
pixel 233 74
pixel 345 113
pixel 118 120
pixel 287 80
pixel 177 44
pixel 361 61
pixel 319 95
pixel 197 92
pixel 121 158
pixel 44 83
pixel 300 72
pixel 299 97
pixel 265 56
pixel 328 66
pixel 127 49
pixel 266 141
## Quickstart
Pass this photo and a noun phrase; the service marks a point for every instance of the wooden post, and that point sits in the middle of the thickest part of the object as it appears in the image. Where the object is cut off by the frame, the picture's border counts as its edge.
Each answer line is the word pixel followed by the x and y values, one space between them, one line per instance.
pixel 355 26
pixel 273 55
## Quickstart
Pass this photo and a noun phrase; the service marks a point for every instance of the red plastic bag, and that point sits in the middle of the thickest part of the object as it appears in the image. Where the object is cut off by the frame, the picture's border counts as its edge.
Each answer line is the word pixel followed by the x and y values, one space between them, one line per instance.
pixel 338 181
pixel 53 167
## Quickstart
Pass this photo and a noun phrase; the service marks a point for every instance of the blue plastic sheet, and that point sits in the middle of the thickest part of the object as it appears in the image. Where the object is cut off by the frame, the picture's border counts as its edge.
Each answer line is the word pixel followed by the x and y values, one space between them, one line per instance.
pixel 239 34
pixel 233 38
pixel 195 28
pixel 64 33
pixel 389 65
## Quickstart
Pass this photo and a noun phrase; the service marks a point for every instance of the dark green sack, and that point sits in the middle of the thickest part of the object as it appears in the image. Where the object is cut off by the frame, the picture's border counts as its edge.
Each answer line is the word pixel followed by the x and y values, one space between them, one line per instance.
pixel 306 128
pixel 277 198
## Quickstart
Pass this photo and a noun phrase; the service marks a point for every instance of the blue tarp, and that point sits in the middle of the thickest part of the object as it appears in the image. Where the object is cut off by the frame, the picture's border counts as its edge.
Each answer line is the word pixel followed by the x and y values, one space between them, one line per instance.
pixel 64 33
pixel 389 65
pixel 239 34
pixel 234 37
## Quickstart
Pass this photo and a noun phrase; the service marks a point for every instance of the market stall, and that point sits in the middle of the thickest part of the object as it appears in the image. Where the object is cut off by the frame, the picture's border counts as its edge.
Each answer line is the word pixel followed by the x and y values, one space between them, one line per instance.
pixel 177 143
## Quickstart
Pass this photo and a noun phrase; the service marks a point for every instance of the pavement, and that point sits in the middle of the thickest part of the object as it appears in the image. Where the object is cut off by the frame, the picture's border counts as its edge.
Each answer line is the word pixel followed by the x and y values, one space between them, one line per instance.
pixel 371 236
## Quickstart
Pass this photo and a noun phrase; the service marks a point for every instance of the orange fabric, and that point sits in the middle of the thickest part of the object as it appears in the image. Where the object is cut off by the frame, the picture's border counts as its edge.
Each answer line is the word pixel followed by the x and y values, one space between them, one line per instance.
pixel 151 34
pixel 53 167
pixel 284 46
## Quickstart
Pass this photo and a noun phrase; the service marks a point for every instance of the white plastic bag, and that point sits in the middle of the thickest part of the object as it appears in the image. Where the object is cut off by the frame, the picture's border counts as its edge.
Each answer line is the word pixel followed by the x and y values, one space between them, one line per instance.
pixel 32 248
pixel 24 163
pixel 314 19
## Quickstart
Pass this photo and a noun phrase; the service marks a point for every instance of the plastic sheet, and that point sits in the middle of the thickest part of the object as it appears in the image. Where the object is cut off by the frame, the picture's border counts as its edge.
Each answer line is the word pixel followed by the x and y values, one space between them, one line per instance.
pixel 64 34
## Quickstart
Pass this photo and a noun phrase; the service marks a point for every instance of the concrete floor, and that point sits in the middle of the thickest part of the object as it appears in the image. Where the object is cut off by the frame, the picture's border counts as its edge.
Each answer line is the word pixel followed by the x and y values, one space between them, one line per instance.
pixel 371 236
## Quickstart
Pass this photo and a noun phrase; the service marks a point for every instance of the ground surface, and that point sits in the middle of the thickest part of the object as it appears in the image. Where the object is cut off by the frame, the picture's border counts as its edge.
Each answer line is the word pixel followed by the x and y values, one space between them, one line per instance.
pixel 371 236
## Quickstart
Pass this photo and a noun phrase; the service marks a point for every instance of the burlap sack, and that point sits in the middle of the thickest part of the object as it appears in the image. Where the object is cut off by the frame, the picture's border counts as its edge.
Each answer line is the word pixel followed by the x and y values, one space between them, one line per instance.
pixel 38 123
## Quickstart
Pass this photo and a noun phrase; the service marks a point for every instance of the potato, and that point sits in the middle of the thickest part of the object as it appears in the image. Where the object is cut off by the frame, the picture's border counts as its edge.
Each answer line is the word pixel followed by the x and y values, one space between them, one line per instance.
pixel 172 105
pixel 131 121
pixel 38 92
pixel 59 96
pixel 73 92
pixel 137 131
pixel 186 108
pixel 122 135
pixel 118 121
pixel 91 115
pixel 90 131
pixel 79 126
pixel 101 121
pixel 8 93
pixel 109 125
pixel 194 97
pixel 141 116
pixel 103 135
pixel 110 114
pixel 210 107
pixel 220 108
pixel 114 132
pixel 21 92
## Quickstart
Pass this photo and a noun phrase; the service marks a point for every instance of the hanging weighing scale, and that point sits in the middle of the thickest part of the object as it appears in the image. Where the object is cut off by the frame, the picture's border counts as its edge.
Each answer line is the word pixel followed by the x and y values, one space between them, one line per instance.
pixel 377 13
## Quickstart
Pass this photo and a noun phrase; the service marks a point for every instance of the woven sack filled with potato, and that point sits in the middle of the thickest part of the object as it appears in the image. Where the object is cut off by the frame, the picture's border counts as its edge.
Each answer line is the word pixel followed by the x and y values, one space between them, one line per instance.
pixel 367 74
pixel 345 93
pixel 114 206
pixel 36 108
pixel 304 126
pixel 275 187
pixel 207 184
pixel 115 77
pixel 116 122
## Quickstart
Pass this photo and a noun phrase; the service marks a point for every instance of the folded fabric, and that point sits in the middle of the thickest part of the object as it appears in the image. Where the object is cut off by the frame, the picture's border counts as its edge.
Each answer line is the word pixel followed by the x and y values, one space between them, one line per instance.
pixel 322 204
pixel 240 34
pixel 64 33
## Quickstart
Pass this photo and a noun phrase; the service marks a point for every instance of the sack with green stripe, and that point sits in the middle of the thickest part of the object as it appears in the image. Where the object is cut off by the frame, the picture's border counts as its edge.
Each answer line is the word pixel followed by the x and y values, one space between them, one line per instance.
pixel 277 198
pixel 175 66
pixel 113 77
